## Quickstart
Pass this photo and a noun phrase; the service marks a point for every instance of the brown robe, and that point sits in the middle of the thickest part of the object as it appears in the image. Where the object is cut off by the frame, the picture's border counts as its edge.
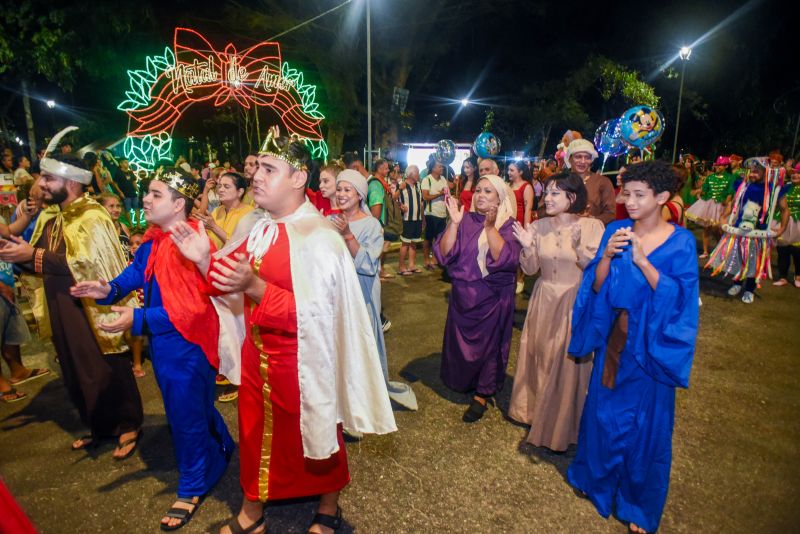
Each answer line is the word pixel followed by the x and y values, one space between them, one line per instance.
pixel 602 203
pixel 102 387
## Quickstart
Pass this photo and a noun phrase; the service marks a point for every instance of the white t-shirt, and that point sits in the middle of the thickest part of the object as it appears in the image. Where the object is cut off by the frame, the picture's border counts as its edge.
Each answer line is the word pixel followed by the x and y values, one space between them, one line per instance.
pixel 433 186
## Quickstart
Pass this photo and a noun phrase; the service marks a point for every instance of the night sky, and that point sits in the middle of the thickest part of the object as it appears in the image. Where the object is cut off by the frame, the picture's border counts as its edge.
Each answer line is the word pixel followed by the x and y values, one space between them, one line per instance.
pixel 738 71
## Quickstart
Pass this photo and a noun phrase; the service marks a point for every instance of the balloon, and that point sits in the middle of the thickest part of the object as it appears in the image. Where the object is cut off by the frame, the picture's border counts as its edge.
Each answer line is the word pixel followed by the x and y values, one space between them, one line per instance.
pixel 445 151
pixel 486 145
pixel 608 139
pixel 641 126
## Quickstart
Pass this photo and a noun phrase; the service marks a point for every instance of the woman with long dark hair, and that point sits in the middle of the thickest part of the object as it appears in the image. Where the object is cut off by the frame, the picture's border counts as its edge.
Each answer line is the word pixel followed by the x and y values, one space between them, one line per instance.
pixel 465 185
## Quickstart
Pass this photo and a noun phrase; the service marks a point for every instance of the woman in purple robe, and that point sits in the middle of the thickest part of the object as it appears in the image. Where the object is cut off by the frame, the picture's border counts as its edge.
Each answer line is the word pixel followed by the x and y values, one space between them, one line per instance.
pixel 481 255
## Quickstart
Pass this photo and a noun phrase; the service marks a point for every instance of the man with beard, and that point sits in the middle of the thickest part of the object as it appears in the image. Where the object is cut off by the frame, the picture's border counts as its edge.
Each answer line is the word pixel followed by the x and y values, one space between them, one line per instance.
pixel 75 240
pixel 579 157
pixel 250 168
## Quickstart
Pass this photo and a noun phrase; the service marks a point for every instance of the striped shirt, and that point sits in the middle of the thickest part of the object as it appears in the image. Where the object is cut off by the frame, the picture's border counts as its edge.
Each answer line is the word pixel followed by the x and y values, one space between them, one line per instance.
pixel 411 196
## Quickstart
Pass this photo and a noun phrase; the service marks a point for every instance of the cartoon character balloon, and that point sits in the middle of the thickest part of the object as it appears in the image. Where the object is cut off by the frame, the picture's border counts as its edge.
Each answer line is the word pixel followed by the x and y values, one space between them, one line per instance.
pixel 641 126
pixel 486 145
pixel 608 139
pixel 445 151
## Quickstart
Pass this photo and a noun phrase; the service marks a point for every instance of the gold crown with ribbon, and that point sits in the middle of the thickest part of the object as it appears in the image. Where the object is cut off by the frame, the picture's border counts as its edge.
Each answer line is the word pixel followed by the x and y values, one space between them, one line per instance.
pixel 179 181
pixel 271 148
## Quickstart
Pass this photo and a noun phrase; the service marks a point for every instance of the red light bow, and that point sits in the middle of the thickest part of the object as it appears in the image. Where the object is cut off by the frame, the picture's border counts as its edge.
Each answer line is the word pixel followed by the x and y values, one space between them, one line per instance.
pixel 203 74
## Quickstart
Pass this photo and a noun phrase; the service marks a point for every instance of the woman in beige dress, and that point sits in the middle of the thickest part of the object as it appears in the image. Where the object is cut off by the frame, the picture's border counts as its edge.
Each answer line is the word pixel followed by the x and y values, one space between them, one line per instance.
pixel 550 385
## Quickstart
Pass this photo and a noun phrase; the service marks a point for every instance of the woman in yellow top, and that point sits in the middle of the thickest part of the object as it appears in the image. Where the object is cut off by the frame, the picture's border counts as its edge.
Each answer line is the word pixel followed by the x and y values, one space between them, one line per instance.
pixel 231 187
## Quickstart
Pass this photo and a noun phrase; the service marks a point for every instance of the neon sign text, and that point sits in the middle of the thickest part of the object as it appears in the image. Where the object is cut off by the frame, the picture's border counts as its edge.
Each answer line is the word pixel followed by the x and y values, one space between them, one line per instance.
pixel 195 71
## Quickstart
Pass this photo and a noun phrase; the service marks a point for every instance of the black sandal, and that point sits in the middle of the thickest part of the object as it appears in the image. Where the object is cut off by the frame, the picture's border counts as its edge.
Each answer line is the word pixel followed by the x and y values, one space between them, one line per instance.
pixel 182 514
pixel 476 410
pixel 331 521
pixel 134 441
pixel 237 528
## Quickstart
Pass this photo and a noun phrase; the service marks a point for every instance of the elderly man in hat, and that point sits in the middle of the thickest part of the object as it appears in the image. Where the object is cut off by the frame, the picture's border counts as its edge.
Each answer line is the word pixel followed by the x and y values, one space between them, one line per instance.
pixel 579 157
pixel 75 240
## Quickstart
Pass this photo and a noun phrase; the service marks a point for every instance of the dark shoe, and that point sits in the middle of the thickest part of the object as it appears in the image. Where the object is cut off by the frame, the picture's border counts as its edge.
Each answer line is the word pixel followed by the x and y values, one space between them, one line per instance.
pixel 475 411
pixel 182 514
pixel 330 521
pixel 237 528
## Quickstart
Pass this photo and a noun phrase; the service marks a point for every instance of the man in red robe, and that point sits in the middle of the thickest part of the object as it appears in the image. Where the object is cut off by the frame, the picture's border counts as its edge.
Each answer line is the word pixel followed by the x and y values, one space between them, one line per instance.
pixel 309 366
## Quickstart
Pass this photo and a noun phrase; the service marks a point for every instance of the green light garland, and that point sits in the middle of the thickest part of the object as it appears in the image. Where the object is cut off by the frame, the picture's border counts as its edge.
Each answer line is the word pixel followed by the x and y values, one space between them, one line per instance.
pixel 145 152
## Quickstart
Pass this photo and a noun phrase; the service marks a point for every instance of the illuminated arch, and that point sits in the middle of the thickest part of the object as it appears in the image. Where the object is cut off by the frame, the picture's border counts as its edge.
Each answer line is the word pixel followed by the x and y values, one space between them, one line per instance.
pixel 193 71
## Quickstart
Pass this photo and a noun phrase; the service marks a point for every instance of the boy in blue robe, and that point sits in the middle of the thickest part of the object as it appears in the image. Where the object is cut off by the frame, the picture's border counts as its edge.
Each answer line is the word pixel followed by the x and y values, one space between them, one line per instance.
pixel 637 310
pixel 183 329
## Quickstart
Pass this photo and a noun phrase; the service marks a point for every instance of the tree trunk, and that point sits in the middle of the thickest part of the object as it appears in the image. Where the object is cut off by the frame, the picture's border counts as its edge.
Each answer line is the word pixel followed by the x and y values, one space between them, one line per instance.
pixel 545 138
pixel 335 140
pixel 26 103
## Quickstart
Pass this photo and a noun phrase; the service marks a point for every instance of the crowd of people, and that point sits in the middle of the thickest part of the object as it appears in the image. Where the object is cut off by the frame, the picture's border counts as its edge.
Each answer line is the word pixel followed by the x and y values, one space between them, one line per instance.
pixel 268 281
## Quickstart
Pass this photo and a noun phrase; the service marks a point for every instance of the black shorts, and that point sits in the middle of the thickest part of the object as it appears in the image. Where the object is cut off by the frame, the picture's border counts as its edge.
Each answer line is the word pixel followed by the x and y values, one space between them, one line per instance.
pixel 389 236
pixel 434 226
pixel 412 232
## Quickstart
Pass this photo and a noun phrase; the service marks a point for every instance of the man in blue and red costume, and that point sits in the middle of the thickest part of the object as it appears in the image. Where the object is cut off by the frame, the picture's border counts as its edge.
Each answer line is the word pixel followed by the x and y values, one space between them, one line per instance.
pixel 183 328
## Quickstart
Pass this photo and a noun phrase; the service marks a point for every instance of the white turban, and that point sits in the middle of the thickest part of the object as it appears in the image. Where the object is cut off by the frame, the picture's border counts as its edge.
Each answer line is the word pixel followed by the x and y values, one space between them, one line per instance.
pixel 506 209
pixel 355 179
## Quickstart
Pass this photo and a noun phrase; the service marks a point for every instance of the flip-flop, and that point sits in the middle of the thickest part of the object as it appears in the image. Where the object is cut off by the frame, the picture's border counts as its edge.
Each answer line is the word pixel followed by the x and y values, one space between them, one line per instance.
pixel 138 373
pixel 406 273
pixel 12 395
pixel 387 276
pixel 35 373
pixel 88 442
pixel 230 396
pixel 416 270
pixel 133 441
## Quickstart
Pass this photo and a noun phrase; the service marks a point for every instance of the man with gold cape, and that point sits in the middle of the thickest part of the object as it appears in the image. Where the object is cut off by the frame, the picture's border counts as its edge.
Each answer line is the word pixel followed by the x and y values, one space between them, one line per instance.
pixel 75 240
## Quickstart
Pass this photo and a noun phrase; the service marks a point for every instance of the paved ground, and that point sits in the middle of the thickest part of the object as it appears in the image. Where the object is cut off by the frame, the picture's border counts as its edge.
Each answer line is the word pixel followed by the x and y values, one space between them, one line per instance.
pixel 735 465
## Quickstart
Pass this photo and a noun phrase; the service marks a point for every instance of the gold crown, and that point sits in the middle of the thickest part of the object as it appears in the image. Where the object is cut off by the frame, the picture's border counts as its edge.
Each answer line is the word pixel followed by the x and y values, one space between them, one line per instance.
pixel 179 182
pixel 271 148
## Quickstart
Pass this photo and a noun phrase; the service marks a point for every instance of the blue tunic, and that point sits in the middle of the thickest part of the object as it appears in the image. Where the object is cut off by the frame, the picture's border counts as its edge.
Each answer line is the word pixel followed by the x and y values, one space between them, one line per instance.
pixel 625 442
pixel 201 440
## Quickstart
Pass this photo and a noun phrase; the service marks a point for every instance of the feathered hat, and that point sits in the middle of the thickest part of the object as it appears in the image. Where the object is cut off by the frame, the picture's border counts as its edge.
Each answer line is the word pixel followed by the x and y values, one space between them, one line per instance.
pixel 59 168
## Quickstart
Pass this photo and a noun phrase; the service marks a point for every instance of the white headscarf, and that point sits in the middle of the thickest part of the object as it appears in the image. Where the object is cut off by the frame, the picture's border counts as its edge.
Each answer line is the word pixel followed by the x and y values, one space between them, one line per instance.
pixel 358 181
pixel 505 210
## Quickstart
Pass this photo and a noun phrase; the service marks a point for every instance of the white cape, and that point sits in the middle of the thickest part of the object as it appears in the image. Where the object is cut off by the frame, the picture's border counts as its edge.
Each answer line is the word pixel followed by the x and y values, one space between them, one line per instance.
pixel 339 369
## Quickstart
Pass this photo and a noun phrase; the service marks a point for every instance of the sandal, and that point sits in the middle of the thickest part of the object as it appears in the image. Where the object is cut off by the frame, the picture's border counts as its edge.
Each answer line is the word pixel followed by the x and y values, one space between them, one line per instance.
pixel 182 514
pixel 138 373
pixel 416 270
pixel 237 528
pixel 229 396
pixel 406 273
pixel 333 522
pixel 133 441
pixel 87 442
pixel 35 373
pixel 12 395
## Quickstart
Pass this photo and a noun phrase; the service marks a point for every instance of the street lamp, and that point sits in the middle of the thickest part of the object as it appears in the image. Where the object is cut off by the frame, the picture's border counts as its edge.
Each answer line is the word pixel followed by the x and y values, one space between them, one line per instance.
pixel 684 54
pixel 464 102
pixel 51 104
pixel 369 90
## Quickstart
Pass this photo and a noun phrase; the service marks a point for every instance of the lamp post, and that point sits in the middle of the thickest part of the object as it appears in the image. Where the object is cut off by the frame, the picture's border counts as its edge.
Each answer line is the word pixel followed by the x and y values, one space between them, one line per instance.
pixel 464 102
pixel 369 90
pixel 684 54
